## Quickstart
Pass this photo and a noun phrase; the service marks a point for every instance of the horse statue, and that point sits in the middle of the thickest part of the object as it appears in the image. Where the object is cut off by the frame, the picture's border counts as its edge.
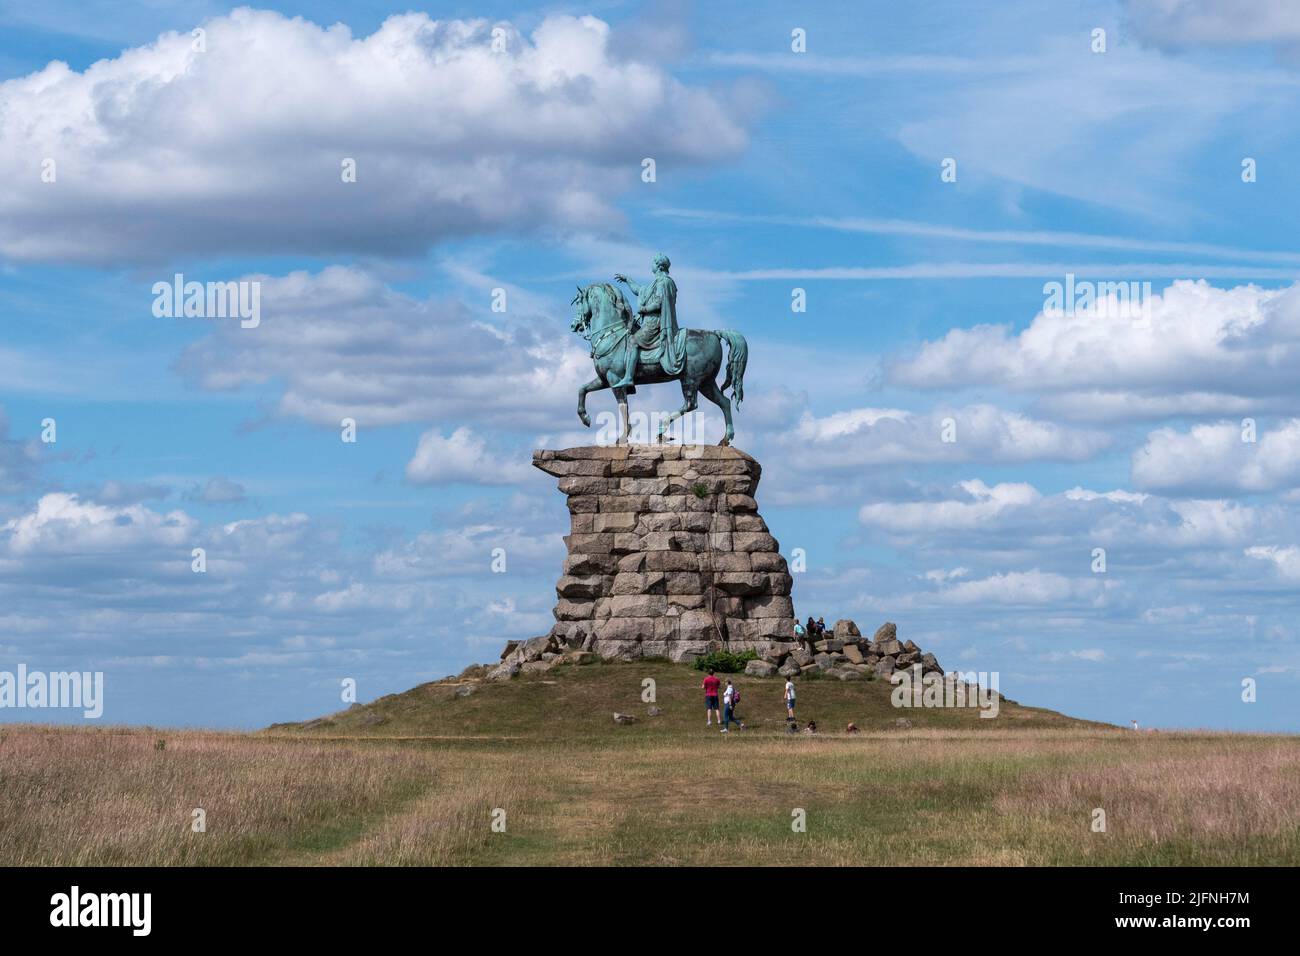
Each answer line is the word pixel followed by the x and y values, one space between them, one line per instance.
pixel 647 348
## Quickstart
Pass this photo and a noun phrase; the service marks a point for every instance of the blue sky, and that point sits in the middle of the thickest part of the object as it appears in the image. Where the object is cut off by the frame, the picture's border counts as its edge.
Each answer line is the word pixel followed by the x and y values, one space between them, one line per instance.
pixel 775 170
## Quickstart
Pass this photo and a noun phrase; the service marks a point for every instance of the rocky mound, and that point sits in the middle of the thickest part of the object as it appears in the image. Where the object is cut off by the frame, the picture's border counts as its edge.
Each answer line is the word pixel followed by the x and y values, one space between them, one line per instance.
pixel 844 654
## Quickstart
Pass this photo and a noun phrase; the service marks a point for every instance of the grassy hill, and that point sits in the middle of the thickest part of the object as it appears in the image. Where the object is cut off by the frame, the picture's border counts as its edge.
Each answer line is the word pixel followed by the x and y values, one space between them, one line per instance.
pixel 420 778
pixel 571 701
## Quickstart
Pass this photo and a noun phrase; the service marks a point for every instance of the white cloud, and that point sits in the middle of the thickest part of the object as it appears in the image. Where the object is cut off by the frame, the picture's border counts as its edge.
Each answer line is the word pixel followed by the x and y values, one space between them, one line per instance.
pixel 980 504
pixel 63 524
pixel 1177 24
pixel 1201 349
pixel 1032 587
pixel 238 148
pixel 462 456
pixel 1285 560
pixel 939 575
pixel 1210 459
pixel 1118 495
pixel 863 437
pixel 340 343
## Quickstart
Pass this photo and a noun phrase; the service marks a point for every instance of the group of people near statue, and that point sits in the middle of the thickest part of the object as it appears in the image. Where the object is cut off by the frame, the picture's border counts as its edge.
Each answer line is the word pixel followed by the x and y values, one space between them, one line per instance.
pixel 812 631
pixel 730 699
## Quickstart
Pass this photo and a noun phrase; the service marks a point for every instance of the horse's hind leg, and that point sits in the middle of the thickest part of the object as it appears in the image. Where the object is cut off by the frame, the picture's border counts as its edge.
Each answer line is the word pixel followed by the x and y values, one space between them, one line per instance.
pixel 595 385
pixel 689 404
pixel 714 394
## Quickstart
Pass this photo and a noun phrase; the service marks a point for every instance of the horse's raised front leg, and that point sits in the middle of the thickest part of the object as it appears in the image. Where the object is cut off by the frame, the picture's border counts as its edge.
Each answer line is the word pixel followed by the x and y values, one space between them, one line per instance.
pixel 714 394
pixel 595 385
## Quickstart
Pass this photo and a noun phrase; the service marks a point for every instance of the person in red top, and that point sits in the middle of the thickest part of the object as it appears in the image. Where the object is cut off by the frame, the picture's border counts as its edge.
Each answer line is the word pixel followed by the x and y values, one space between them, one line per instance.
pixel 711 685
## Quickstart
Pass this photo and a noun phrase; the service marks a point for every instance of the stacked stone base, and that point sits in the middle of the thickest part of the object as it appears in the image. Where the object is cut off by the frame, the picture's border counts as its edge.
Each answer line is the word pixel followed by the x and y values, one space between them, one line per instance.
pixel 667 554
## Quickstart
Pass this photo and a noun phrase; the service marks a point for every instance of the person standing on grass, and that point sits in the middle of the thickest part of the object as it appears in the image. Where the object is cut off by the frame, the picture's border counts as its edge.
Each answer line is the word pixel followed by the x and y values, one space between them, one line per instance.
pixel 730 698
pixel 711 685
pixel 789 699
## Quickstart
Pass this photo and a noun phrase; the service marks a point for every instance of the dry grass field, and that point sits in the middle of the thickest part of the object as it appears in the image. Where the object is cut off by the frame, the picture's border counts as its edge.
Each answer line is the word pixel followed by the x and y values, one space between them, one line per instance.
pixel 414 779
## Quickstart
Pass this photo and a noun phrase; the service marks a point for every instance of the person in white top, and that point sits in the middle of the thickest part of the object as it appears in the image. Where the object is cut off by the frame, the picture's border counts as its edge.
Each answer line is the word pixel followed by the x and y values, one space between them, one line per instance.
pixel 789 699
pixel 730 698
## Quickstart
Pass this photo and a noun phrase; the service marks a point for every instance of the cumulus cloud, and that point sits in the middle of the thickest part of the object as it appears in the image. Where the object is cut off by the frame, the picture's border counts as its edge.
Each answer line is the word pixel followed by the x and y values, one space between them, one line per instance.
pixel 1216 459
pixel 112 587
pixel 1199 349
pixel 219 491
pixel 63 524
pixel 863 437
pixel 1021 587
pixel 1285 559
pixel 238 147
pixel 979 504
pixel 973 519
pixel 1179 24
pixel 462 456
pixel 342 344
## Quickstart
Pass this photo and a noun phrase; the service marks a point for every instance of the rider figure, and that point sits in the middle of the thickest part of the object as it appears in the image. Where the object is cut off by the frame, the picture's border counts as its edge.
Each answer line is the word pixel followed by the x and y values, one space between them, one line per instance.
pixel 656 322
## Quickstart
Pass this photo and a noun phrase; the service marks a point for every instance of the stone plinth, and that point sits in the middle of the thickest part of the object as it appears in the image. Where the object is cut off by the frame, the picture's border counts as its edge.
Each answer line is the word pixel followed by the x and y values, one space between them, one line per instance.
pixel 667 555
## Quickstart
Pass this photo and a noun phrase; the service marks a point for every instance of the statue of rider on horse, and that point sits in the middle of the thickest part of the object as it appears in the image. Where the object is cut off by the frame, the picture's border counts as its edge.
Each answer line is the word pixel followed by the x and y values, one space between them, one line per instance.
pixel 647 347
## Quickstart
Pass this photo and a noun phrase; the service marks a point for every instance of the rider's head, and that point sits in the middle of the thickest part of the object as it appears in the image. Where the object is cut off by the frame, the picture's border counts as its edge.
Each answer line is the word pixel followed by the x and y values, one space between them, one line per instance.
pixel 661 263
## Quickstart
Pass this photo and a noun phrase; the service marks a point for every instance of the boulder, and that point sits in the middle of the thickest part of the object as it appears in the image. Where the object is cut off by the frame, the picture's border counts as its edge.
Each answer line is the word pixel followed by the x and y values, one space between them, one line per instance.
pixel 503 671
pixel 845 630
pixel 890 648
pixel 930 664
pixel 801 657
pixel 536 667
pixel 790 668
pixel 624 719
pixel 884 667
pixel 823 661
pixel 852 653
pixel 848 673
pixel 464 690
pixel 760 668
pixel 509 649
pixel 902 723
pixel 533 648
pixel 582 657
pixel 886 632
pixel 654 711
pixel 910 646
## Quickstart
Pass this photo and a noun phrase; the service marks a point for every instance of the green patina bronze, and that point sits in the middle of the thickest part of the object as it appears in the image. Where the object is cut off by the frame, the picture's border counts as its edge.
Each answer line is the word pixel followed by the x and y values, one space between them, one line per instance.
pixel 646 347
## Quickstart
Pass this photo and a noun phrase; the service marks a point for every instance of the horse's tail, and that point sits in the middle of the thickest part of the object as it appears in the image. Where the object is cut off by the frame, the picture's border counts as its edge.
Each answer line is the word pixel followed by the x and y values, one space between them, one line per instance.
pixel 737 359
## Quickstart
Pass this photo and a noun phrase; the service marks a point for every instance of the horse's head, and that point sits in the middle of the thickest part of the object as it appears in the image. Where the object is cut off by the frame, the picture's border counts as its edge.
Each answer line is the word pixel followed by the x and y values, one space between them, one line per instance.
pixel 581 312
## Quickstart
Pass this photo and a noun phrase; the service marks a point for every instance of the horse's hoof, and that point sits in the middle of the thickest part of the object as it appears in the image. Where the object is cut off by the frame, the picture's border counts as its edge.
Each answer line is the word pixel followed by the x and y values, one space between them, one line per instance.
pixel 585 419
pixel 725 443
